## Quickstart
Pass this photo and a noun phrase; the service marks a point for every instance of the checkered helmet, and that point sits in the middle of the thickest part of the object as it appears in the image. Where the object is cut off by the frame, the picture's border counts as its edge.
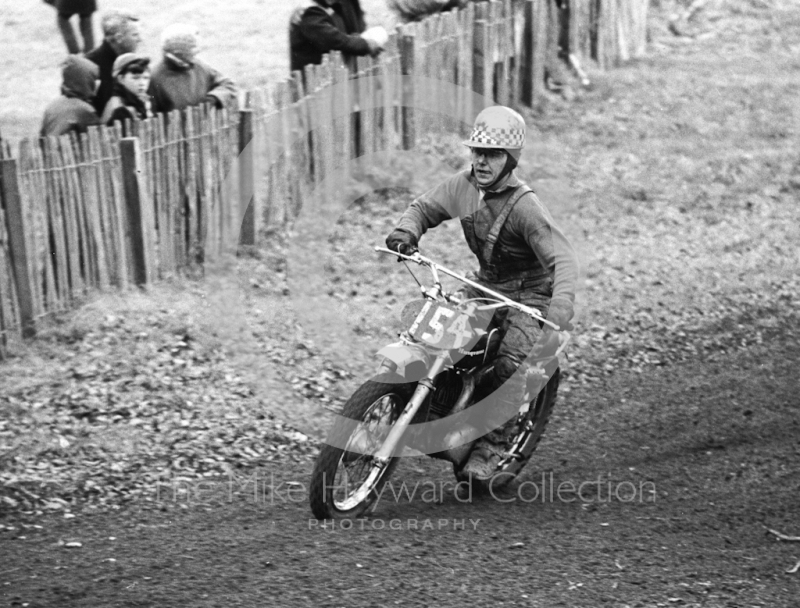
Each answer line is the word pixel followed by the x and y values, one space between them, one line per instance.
pixel 498 127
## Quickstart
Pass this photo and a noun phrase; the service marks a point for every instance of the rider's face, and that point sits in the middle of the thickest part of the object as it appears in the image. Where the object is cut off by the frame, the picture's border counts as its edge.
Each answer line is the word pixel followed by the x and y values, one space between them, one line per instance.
pixel 488 163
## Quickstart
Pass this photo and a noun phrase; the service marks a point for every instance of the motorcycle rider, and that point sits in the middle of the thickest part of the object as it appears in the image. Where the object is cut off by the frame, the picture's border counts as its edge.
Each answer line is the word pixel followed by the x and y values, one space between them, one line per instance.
pixel 521 252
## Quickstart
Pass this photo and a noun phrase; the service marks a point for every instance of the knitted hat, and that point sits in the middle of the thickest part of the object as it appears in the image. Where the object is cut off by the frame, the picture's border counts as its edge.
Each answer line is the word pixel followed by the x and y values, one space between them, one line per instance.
pixel 179 41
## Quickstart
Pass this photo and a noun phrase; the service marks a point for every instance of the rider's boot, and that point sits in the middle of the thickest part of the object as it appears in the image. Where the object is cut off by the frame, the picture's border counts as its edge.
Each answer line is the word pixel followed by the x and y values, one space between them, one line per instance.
pixel 510 393
pixel 484 459
pixel 490 450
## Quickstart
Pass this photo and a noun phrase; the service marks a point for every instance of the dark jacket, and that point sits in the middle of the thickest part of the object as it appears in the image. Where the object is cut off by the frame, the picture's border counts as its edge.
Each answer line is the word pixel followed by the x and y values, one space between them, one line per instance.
pixel 416 10
pixel 73 110
pixel 104 56
pixel 124 104
pixel 315 30
pixel 176 85
pixel 67 8
pixel 535 258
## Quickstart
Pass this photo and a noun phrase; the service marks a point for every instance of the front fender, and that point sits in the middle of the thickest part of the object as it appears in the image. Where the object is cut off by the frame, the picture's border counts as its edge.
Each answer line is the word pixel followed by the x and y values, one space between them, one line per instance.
pixel 411 361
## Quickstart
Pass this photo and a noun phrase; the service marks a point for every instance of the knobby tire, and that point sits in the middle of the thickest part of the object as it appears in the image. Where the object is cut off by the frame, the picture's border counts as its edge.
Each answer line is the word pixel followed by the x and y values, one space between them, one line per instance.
pixel 324 474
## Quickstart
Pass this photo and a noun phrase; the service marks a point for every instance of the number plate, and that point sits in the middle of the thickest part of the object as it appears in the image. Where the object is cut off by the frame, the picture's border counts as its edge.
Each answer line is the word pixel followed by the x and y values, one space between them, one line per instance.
pixel 441 325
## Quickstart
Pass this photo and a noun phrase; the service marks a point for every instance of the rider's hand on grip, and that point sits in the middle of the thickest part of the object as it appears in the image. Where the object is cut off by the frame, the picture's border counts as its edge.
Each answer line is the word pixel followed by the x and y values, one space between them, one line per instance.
pixel 560 312
pixel 402 242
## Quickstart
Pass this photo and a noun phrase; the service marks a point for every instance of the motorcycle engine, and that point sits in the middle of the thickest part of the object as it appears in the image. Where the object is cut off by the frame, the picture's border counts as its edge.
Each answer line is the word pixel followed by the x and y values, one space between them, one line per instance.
pixel 448 388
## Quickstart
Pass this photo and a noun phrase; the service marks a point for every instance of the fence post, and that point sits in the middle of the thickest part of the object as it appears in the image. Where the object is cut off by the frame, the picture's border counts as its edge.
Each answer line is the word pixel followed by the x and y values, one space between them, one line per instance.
pixel 341 119
pixel 526 59
pixel 17 231
pixel 482 60
pixel 294 104
pixel 574 26
pixel 506 44
pixel 140 210
pixel 601 20
pixel 407 51
pixel 248 231
pixel 497 54
pixel 512 19
pixel 539 31
pixel 640 28
pixel 466 19
pixel 328 139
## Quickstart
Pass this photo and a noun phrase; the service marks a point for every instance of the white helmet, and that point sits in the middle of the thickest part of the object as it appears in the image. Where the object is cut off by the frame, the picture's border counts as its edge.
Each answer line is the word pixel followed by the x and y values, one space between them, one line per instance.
pixel 498 127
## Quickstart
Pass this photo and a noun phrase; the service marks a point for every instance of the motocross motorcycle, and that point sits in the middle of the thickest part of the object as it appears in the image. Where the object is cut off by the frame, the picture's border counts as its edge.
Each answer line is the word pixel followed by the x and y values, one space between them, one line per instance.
pixel 421 398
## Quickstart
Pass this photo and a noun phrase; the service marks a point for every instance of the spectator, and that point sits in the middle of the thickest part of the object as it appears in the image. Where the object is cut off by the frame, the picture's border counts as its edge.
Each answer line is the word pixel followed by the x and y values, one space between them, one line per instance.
pixel 131 81
pixel 416 10
pixel 120 35
pixel 73 110
pixel 321 26
pixel 65 9
pixel 181 79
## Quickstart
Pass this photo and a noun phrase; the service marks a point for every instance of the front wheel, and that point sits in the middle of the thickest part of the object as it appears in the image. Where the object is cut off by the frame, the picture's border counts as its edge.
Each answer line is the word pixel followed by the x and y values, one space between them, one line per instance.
pixel 346 482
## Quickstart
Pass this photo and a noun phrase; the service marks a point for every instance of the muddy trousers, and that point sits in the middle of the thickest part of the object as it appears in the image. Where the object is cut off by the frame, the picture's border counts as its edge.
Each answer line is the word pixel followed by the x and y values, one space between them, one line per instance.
pixel 511 385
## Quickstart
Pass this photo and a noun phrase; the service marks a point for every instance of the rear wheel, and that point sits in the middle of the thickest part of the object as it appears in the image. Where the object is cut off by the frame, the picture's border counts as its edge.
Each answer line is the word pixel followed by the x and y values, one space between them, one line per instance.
pixel 346 480
pixel 530 426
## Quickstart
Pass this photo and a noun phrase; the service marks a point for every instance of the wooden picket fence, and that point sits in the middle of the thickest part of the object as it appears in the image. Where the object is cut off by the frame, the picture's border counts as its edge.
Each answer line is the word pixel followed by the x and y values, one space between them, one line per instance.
pixel 103 210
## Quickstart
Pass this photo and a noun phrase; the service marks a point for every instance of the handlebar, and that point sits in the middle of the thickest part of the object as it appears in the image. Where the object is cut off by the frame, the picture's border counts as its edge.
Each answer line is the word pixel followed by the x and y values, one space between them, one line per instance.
pixel 434 267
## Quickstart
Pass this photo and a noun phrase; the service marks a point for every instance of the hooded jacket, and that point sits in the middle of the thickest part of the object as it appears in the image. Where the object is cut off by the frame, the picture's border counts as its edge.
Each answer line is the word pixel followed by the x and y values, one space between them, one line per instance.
pixel 73 110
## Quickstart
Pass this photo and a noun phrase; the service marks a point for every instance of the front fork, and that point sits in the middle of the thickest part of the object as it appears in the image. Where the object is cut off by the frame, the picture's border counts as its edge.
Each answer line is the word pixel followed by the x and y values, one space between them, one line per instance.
pixel 425 387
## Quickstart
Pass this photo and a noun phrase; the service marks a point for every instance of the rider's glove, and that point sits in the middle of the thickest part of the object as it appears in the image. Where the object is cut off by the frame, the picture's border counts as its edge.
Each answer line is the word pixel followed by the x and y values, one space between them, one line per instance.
pixel 560 312
pixel 402 242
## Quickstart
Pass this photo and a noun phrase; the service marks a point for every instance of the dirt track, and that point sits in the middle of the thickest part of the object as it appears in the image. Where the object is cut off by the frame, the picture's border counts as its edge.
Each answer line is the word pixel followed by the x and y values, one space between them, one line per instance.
pixel 684 175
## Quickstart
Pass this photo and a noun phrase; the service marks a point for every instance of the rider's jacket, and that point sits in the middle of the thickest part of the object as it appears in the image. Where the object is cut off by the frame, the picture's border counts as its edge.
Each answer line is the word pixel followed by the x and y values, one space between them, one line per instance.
pixel 521 251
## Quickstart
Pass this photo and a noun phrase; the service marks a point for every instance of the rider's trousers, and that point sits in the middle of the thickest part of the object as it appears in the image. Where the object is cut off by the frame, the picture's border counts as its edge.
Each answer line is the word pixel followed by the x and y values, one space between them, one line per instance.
pixel 511 383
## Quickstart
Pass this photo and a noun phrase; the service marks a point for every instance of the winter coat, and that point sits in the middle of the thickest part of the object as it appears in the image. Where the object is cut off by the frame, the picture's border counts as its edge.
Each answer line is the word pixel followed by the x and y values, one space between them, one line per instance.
pixel 175 85
pixel 104 56
pixel 125 105
pixel 73 110
pixel 531 261
pixel 315 30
